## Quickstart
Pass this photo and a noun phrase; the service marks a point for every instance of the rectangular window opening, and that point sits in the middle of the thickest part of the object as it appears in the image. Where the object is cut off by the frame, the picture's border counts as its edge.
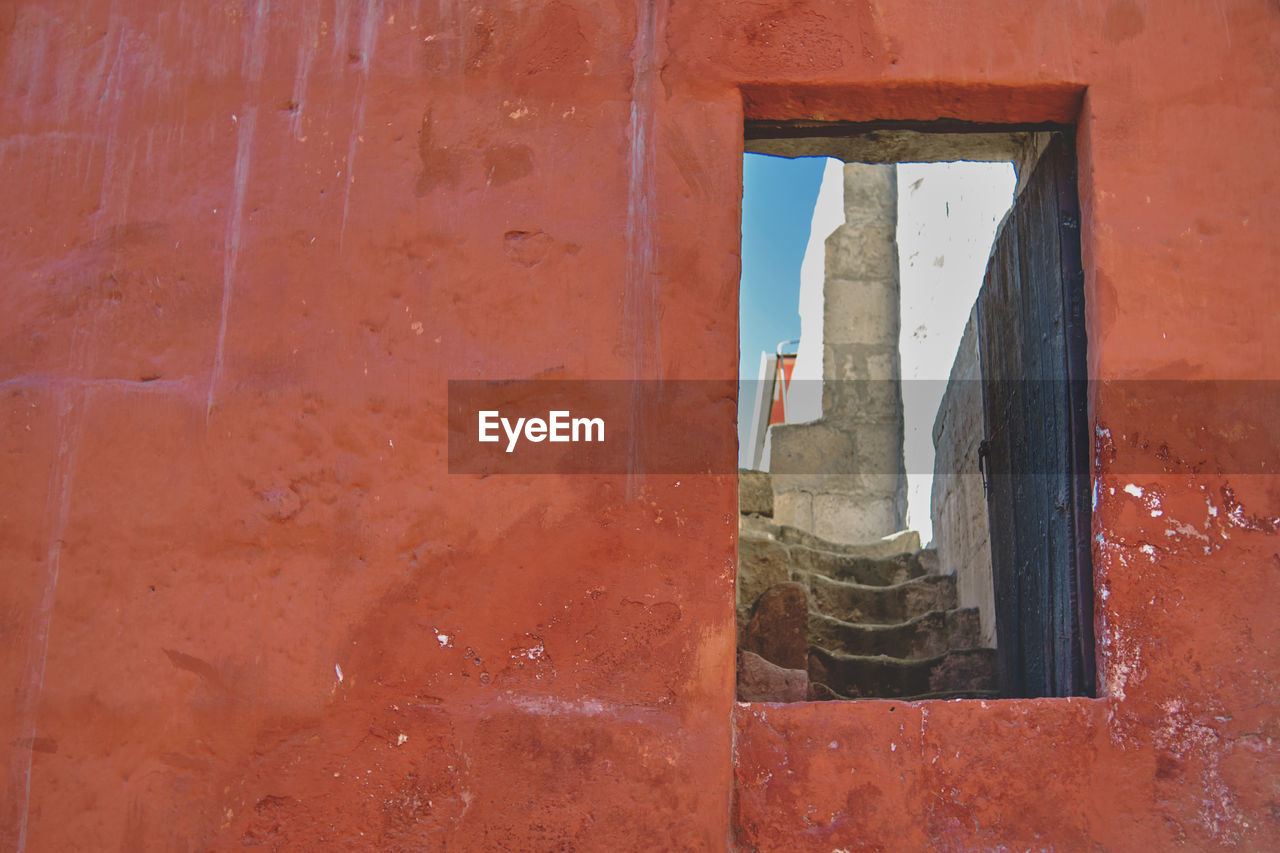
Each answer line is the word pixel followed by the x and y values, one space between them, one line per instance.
pixel 914 484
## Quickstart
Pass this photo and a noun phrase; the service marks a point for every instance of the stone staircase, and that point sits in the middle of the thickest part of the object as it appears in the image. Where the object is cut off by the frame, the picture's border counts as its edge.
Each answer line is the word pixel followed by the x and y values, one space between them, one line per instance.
pixel 822 620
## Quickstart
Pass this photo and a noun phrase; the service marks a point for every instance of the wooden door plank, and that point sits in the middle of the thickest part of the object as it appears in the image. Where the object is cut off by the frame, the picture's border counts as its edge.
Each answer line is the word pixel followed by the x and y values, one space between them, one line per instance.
pixel 1032 349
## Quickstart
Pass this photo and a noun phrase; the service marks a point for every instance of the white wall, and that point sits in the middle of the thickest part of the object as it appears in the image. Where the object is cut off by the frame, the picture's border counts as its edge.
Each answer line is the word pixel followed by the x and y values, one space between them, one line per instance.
pixel 828 215
pixel 948 214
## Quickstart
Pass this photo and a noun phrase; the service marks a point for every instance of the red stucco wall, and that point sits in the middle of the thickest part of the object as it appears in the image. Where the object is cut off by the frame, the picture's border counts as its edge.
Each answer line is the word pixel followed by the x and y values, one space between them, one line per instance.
pixel 246 244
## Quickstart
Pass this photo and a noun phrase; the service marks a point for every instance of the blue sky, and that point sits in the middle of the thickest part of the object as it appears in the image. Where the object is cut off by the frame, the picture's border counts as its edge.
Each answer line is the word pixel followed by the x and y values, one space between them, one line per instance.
pixel 778 195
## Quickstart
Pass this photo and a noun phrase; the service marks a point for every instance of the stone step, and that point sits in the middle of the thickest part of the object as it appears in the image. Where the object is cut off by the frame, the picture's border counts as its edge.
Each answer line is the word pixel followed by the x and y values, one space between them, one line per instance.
pixel 923 637
pixel 760 527
pixel 954 694
pixel 878 605
pixel 823 693
pixel 866 571
pixel 962 671
pixel 755 492
pixel 763 562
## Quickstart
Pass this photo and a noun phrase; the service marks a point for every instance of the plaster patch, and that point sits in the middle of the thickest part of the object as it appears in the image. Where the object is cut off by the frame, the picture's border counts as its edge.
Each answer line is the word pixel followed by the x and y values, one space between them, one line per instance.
pixel 1122 656
pixel 1178 528
pixel 1189 739
pixel 1126 664
pixel 533 651
pixel 552 706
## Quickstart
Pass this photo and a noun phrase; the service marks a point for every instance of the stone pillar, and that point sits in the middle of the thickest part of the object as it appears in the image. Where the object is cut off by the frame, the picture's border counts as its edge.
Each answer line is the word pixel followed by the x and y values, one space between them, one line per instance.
pixel 842 477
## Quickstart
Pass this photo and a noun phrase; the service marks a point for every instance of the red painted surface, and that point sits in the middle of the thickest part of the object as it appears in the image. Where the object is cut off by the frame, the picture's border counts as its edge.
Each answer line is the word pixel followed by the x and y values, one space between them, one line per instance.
pixel 786 364
pixel 245 245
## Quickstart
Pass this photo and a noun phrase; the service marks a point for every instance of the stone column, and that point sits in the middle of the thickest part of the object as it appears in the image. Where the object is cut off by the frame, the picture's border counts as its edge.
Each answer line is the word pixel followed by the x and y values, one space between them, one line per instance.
pixel 842 477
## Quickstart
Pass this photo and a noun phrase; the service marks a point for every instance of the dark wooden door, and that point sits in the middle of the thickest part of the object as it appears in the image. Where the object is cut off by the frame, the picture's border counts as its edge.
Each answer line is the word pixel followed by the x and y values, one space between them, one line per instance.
pixel 1036 452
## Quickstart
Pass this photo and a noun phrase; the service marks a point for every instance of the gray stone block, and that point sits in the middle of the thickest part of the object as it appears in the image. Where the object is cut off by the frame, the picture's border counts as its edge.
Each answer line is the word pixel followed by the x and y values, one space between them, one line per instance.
pixel 755 492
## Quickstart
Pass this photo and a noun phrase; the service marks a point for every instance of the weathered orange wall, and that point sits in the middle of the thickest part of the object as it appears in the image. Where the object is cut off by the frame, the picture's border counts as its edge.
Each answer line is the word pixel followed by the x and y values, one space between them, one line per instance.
pixel 246 244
